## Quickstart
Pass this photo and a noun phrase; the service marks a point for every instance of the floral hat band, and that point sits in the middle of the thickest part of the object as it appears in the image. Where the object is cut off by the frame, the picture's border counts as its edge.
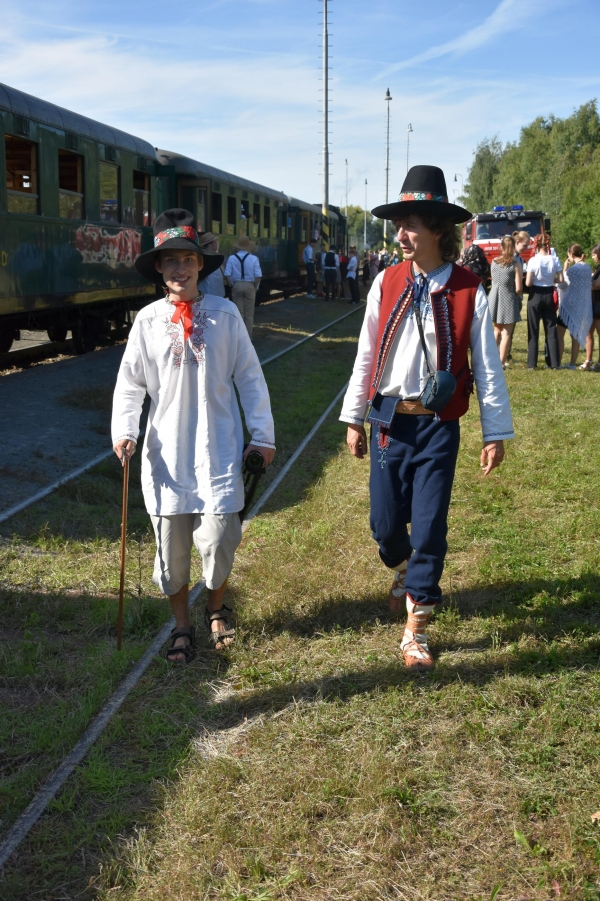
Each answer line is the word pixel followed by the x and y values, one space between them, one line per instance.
pixel 422 195
pixel 181 231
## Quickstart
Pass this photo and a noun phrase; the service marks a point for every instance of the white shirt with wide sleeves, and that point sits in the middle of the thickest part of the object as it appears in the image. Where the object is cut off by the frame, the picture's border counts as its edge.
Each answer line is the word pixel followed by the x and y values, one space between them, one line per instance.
pixel 192 454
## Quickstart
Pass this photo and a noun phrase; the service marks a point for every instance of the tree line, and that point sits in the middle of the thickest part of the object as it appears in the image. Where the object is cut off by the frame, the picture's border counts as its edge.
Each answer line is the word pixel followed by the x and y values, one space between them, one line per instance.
pixel 554 167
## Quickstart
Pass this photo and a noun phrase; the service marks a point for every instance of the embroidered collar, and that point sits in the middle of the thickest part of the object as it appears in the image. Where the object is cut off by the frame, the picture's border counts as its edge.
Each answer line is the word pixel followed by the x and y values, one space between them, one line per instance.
pixel 199 296
pixel 428 276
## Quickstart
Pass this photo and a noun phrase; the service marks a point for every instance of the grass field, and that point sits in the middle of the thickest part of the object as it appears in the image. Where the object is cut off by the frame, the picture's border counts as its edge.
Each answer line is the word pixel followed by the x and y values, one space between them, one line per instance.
pixel 307 763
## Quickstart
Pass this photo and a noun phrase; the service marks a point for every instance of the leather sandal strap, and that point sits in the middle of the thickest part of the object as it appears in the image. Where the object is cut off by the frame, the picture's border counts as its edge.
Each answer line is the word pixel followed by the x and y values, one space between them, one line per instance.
pixel 423 655
pixel 220 614
pixel 215 637
pixel 182 633
pixel 418 622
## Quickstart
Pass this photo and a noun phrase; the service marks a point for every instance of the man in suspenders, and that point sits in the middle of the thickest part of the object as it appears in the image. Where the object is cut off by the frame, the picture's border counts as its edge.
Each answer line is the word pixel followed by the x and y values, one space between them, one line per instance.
pixel 244 273
pixel 412 381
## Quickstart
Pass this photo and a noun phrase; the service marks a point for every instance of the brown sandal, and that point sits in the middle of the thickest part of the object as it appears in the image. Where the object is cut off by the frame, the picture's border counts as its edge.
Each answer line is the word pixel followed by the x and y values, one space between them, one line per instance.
pixel 215 637
pixel 188 650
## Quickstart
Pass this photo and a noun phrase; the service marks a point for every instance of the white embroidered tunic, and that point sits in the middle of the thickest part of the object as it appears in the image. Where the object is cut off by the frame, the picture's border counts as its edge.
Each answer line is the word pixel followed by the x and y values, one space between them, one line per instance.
pixel 192 454
pixel 405 373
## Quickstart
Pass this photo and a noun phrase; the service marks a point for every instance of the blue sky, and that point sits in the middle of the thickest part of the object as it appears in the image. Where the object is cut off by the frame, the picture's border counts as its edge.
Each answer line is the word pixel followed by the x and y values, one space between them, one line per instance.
pixel 236 83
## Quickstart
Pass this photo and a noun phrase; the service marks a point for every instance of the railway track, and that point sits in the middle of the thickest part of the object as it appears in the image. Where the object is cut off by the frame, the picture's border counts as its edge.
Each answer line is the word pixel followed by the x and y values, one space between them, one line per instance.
pixel 27 820
pixel 98 458
pixel 35 346
pixel 57 779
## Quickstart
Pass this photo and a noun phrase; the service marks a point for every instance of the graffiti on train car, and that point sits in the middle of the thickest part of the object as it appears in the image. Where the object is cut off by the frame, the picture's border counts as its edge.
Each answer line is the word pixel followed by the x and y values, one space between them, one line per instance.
pixel 97 245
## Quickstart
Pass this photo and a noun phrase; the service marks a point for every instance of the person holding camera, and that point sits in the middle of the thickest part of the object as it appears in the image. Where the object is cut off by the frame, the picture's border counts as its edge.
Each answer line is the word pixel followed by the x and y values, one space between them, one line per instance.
pixel 190 352
pixel 412 382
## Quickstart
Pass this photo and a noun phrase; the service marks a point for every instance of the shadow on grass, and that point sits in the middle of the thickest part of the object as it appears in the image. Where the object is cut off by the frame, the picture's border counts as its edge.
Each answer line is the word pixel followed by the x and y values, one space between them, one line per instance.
pixel 535 628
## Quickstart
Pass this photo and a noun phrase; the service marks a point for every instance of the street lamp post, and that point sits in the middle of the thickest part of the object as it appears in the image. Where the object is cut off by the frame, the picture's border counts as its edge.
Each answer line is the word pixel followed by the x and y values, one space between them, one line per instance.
pixel 346 162
pixel 365 230
pixel 408 133
pixel 457 175
pixel 387 98
pixel 325 201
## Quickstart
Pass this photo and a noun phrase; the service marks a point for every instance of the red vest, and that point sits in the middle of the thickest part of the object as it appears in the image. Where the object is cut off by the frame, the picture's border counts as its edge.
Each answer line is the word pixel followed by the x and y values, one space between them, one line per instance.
pixel 453 308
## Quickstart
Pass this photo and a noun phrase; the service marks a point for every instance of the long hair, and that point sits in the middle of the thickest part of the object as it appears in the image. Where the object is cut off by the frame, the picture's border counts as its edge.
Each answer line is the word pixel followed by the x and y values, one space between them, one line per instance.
pixel 508 251
pixel 596 249
pixel 449 235
pixel 542 241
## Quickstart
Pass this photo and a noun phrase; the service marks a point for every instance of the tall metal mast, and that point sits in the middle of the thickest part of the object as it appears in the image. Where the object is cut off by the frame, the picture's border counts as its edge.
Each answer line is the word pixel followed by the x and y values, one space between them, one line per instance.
pixel 365 211
pixel 388 97
pixel 325 205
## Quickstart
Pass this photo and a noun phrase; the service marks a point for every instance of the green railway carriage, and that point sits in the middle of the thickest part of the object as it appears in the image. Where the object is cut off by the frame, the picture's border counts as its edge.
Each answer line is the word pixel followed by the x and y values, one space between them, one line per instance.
pixel 76 202
pixel 230 206
pixel 305 222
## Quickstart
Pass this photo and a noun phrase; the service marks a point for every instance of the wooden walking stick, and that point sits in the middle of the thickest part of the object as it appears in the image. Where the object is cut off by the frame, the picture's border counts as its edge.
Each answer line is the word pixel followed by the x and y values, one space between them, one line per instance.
pixel 125 461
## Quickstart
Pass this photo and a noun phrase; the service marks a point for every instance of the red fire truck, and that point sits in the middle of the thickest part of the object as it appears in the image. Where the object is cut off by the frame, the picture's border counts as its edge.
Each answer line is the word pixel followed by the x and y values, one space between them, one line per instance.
pixel 488 229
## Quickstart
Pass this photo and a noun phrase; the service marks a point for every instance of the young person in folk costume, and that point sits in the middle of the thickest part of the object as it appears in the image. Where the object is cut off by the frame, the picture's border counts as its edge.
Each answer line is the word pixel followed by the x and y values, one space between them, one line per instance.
pixel 190 352
pixel 426 302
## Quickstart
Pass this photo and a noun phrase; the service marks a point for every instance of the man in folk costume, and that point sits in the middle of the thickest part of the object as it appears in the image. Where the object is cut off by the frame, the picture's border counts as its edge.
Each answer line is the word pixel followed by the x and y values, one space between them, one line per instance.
pixel 190 352
pixel 412 381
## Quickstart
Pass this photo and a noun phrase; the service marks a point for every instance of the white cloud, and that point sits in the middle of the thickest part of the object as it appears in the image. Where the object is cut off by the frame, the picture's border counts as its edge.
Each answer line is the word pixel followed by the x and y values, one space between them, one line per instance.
pixel 509 15
pixel 256 115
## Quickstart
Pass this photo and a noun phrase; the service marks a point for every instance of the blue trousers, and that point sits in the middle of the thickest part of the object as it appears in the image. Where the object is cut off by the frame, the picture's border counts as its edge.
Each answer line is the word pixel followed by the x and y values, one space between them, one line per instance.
pixel 412 471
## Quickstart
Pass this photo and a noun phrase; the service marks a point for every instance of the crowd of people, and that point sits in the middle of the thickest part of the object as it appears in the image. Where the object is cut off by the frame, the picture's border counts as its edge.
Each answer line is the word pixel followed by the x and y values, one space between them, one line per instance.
pixel 562 297
pixel 331 274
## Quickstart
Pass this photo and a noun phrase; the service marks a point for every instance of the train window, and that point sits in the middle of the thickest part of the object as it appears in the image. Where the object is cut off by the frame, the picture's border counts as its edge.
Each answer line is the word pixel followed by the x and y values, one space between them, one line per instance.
pixel 70 185
pixel 266 221
pixel 109 193
pixel 217 214
pixel 21 175
pixel 255 220
pixel 303 229
pixel 141 198
pixel 231 215
pixel 244 216
pixel 201 210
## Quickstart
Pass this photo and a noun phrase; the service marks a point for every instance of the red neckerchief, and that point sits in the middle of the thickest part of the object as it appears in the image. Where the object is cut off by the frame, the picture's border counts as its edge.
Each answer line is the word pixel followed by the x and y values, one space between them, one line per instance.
pixel 183 308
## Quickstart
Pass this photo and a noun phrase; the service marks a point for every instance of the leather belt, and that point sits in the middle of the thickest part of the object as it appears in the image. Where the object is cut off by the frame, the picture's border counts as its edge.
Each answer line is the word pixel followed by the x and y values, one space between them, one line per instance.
pixel 413 406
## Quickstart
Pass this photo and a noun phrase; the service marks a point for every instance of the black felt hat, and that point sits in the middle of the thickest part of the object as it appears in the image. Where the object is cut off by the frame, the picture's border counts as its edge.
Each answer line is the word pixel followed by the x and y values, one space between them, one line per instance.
pixel 423 191
pixel 174 230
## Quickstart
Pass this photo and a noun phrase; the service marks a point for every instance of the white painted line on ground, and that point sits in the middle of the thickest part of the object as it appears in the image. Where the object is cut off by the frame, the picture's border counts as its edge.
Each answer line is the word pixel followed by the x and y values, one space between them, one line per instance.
pixel 44 492
pixel 55 782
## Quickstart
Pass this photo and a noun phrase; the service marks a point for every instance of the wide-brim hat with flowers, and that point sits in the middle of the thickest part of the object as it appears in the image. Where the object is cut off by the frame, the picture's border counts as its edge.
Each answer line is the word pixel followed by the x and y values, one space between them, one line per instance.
pixel 424 191
pixel 174 230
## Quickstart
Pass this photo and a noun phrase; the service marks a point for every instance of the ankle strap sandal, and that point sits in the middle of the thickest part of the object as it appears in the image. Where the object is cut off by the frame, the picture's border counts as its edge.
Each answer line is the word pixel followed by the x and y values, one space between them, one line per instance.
pixel 221 615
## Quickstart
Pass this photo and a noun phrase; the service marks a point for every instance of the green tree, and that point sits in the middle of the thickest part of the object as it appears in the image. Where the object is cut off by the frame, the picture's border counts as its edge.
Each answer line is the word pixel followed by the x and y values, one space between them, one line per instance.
pixel 553 167
pixel 479 187
pixel 356 225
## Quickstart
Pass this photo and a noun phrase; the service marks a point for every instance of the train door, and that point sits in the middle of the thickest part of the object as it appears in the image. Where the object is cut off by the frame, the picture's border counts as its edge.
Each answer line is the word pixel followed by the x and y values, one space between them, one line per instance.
pixel 193 196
